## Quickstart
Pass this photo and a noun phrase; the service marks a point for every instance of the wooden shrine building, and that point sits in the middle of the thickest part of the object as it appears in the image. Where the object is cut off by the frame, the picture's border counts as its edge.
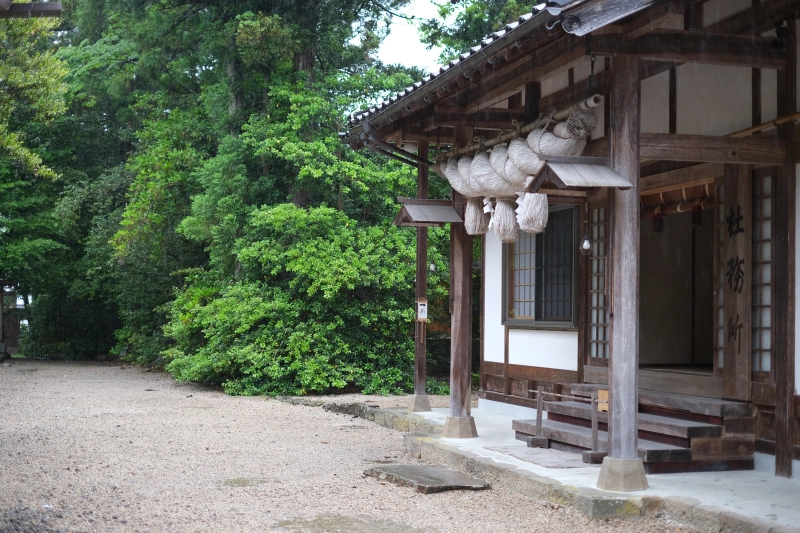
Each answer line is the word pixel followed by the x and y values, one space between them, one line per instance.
pixel 664 270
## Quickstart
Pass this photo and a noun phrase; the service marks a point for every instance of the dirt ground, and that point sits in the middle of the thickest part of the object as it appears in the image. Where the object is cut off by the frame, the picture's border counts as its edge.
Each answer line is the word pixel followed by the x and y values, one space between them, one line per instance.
pixel 109 447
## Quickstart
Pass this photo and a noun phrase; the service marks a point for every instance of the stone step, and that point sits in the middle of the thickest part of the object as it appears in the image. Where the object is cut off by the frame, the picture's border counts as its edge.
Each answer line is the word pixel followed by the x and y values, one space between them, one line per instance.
pixel 680 402
pixel 580 437
pixel 652 423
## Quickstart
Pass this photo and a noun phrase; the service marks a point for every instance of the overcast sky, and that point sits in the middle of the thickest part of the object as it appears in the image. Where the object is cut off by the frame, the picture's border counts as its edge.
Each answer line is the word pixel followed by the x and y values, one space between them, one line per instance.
pixel 402 45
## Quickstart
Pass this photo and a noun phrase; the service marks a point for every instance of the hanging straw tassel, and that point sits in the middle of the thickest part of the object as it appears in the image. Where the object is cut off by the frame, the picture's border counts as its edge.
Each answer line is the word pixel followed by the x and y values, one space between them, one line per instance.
pixel 533 212
pixel 504 220
pixel 474 220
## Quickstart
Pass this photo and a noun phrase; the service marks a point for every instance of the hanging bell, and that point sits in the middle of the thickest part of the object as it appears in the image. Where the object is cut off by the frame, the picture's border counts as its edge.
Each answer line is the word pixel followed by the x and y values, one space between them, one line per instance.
pixel 658 220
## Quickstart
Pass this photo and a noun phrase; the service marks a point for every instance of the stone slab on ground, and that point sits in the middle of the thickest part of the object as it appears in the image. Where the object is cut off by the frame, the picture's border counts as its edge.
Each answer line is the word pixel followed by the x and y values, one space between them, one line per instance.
pixel 427 479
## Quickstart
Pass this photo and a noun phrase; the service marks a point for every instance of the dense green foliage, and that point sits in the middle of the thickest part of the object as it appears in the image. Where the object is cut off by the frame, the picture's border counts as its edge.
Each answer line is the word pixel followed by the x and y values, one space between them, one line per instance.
pixel 175 192
pixel 472 20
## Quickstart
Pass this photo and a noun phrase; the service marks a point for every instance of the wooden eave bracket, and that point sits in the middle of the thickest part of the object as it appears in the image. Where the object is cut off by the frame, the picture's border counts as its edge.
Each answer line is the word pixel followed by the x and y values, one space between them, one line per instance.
pixel 578 173
pixel 420 212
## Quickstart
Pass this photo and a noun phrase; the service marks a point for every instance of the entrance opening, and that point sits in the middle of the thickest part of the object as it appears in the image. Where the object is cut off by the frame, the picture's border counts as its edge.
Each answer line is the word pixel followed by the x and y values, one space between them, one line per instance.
pixel 676 327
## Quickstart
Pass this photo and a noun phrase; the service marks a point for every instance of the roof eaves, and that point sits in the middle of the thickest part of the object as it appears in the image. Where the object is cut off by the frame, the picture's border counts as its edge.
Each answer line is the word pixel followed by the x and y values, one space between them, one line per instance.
pixel 492 44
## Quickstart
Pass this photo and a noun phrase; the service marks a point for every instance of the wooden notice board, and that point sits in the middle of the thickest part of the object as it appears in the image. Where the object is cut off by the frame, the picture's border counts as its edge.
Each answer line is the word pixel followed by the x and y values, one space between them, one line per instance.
pixel 736 271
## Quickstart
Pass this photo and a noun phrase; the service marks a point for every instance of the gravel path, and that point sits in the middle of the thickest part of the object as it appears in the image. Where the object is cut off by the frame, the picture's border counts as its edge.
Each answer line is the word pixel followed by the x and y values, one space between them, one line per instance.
pixel 104 447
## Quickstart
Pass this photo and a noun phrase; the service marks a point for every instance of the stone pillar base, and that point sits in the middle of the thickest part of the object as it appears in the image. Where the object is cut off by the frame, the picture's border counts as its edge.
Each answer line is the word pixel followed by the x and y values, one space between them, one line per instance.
pixel 418 403
pixel 461 427
pixel 622 475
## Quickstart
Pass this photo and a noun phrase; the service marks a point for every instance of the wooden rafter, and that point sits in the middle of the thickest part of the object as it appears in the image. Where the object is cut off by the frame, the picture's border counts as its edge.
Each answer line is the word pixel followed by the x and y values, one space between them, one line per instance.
pixel 689 46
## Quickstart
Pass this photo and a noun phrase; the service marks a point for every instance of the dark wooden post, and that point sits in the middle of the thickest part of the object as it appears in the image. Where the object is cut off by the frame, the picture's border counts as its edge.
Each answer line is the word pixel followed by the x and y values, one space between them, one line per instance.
pixel 419 401
pixel 784 262
pixel 737 285
pixel 623 470
pixel 460 424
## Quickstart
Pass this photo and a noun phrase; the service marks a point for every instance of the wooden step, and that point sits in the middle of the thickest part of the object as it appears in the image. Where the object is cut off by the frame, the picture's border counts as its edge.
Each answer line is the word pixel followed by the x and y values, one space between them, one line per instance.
pixel 580 437
pixel 652 423
pixel 681 402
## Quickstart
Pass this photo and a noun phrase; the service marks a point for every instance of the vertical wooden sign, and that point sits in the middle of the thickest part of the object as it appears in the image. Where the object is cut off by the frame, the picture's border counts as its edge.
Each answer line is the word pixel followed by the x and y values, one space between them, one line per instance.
pixel 737 270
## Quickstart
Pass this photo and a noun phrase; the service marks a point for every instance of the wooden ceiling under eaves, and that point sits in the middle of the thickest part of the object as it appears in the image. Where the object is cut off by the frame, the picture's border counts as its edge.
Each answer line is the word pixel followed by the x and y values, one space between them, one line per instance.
pixel 489 93
pixel 496 84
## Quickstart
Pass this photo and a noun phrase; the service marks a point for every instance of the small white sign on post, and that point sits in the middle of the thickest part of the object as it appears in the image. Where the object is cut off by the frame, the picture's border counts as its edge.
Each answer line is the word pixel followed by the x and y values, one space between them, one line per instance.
pixel 422 310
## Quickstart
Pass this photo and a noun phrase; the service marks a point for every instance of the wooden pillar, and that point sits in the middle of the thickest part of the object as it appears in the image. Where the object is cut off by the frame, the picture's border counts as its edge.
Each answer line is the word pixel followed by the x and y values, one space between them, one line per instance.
pixel 461 321
pixel 783 260
pixel 622 470
pixel 460 424
pixel 624 364
pixel 422 277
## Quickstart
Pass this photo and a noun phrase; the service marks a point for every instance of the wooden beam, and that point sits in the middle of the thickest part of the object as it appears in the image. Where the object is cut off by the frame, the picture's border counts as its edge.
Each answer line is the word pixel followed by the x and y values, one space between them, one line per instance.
pixel 651 19
pixel 594 14
pixel 548 61
pixel 623 368
pixel 490 118
pixel 34 10
pixel 569 95
pixel 757 19
pixel 693 176
pixel 695 47
pixel 712 149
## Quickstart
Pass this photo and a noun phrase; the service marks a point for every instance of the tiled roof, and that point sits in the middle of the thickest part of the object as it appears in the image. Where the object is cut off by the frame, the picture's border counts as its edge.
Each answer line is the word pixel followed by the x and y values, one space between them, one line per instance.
pixel 490 45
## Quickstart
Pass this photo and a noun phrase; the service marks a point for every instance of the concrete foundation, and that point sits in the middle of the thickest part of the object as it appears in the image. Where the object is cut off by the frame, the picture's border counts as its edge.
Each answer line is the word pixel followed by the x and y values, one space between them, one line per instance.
pixel 419 403
pixel 462 427
pixel 622 475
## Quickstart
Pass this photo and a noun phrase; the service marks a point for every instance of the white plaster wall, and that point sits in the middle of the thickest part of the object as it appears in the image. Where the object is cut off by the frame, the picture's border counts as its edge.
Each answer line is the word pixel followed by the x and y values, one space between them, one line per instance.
pixel 655 104
pixel 555 83
pixel 769 94
pixel 493 329
pixel 548 349
pixel 713 99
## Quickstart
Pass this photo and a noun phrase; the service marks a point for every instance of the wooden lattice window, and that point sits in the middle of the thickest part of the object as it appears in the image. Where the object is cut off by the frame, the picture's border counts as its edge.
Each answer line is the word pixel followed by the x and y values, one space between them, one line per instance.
pixel 598 311
pixel 554 267
pixel 523 267
pixel 762 292
pixel 540 273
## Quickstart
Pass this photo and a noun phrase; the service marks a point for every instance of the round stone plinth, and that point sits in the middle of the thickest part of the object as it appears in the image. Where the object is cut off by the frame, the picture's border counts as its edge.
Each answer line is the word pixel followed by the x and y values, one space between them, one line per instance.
pixel 461 427
pixel 622 475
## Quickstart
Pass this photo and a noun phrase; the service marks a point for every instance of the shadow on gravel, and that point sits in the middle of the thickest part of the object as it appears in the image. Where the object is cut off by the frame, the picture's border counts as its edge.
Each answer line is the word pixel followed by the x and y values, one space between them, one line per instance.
pixel 25 520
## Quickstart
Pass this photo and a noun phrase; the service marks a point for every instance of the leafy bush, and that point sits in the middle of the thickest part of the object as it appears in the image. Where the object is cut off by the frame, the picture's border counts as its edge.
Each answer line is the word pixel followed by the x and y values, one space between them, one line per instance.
pixel 321 304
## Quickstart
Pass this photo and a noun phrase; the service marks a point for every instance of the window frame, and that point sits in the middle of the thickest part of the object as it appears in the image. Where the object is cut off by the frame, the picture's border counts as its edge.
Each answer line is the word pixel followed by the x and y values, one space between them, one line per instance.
pixel 533 323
